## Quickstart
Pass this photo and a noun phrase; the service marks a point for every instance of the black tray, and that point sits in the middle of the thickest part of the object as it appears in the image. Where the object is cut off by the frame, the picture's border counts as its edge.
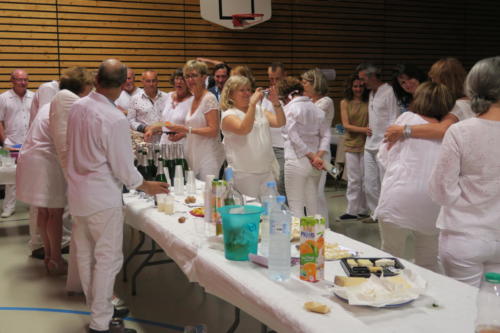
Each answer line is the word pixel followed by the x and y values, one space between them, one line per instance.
pixel 363 271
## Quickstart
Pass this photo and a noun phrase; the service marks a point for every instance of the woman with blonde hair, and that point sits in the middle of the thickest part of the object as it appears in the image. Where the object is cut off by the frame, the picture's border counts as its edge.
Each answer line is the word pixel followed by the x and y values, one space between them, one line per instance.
pixel 405 207
pixel 465 182
pixel 204 151
pixel 40 175
pixel 247 139
pixel 307 140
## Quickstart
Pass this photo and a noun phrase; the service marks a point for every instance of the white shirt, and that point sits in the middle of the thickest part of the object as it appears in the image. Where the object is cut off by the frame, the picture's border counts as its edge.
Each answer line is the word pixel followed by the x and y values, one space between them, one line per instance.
pixel 306 130
pixel 276 132
pixel 15 114
pixel 100 157
pixel 202 149
pixel 144 110
pixel 462 110
pixel 124 99
pixel 404 198
pixel 383 110
pixel 176 114
pixel 42 96
pixel 466 179
pixel 250 153
pixel 326 104
pixel 58 123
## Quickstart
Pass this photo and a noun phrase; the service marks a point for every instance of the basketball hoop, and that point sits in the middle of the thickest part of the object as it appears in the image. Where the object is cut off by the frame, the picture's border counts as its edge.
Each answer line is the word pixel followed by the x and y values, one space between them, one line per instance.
pixel 239 20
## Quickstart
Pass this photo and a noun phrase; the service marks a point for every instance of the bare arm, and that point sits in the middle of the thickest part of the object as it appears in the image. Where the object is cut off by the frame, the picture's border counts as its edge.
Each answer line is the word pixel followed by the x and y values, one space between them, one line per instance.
pixel 243 126
pixel 431 131
pixel 2 132
pixel 276 119
pixel 345 120
pixel 211 130
pixel 210 61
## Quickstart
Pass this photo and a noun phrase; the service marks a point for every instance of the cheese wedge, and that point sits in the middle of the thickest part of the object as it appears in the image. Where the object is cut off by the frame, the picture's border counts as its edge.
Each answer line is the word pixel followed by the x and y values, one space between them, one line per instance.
pixel 316 307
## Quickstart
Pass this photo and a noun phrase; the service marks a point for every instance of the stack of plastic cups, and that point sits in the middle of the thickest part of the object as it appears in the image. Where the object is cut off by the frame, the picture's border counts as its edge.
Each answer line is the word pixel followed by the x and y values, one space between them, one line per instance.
pixel 179 180
pixel 207 199
pixel 191 183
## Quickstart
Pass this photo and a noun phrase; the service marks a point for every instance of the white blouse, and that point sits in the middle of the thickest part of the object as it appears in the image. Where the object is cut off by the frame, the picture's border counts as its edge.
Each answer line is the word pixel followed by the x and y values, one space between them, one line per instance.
pixel 383 110
pixel 462 110
pixel 404 198
pixel 466 179
pixel 175 113
pixel 250 153
pixel 306 130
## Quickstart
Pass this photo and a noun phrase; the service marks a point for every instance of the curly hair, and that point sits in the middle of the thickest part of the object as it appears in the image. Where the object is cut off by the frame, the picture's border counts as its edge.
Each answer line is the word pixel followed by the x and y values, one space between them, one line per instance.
pixel 348 93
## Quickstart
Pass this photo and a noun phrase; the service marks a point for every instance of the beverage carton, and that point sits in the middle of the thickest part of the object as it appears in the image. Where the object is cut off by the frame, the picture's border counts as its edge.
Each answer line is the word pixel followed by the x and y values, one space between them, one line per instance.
pixel 218 190
pixel 312 256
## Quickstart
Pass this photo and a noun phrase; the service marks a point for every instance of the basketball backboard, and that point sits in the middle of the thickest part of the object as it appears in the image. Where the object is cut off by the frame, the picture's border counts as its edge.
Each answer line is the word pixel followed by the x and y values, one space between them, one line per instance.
pixel 221 12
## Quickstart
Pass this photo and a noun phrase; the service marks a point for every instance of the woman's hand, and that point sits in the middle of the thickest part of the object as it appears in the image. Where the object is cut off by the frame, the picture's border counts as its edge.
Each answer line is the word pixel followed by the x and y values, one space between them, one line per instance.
pixel 256 96
pixel 393 133
pixel 368 131
pixel 176 128
pixel 273 95
pixel 148 135
pixel 176 137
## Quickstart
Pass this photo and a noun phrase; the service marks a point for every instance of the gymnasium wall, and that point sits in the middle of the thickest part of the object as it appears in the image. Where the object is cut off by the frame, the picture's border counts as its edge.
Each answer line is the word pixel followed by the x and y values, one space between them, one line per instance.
pixel 46 36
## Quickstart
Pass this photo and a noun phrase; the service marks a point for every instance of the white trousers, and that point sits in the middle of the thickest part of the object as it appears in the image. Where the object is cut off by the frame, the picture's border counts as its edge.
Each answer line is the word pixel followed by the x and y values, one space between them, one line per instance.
pixel 373 179
pixel 322 205
pixel 279 153
pixel 9 201
pixel 98 240
pixel 393 238
pixel 252 184
pixel 301 185
pixel 467 258
pixel 355 194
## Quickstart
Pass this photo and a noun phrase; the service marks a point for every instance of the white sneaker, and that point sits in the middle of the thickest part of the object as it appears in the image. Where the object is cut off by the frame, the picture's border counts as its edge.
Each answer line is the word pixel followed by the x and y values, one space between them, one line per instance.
pixel 7 213
pixel 117 301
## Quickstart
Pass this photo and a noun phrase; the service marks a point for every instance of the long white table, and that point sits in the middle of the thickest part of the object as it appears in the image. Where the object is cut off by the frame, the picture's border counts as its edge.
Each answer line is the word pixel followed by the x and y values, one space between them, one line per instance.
pixel 280 305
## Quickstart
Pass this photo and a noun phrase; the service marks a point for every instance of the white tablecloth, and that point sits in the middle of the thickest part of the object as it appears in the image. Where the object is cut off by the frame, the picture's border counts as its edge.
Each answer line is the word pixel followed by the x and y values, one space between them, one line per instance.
pixel 8 175
pixel 280 305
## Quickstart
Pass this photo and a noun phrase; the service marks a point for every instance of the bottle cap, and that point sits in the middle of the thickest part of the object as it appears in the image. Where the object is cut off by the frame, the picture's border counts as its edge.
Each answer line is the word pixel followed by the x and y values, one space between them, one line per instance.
pixel 492 277
pixel 228 173
pixel 271 184
pixel 280 199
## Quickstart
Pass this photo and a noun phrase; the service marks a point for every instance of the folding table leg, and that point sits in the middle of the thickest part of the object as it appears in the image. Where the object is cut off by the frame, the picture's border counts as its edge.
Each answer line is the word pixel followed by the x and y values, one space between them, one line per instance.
pixel 135 252
pixel 236 321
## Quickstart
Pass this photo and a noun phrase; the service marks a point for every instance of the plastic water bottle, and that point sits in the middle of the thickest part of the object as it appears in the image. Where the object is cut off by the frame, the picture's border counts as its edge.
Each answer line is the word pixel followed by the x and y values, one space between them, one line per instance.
pixel 279 240
pixel 488 304
pixel 268 198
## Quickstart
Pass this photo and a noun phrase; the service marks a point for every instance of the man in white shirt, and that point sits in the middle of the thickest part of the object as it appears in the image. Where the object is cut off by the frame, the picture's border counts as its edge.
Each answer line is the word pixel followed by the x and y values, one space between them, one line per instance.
pixel 276 72
pixel 15 107
pixel 129 90
pixel 100 162
pixel 145 108
pixel 382 111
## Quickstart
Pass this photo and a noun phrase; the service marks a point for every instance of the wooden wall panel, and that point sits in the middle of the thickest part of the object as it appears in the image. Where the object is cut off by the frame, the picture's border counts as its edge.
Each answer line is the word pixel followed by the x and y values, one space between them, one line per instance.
pixel 45 36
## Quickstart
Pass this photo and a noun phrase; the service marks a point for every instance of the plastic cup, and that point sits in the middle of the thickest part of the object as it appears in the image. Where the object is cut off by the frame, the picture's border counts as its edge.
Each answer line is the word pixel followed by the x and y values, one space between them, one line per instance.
pixel 160 201
pixel 179 173
pixel 240 226
pixel 179 186
pixel 191 183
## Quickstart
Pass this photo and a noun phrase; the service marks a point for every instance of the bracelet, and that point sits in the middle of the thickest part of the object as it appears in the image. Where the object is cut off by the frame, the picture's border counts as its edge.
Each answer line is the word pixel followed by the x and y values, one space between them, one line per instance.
pixel 406 131
pixel 190 129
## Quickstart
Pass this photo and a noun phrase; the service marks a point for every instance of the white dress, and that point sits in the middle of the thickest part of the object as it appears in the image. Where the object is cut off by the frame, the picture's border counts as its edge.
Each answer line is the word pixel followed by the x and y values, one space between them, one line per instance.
pixel 251 156
pixel 39 177
pixel 204 154
pixel 175 113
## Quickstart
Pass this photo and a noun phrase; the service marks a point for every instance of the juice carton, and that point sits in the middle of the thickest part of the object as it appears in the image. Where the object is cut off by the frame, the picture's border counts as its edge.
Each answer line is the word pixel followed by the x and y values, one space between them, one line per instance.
pixel 218 190
pixel 312 256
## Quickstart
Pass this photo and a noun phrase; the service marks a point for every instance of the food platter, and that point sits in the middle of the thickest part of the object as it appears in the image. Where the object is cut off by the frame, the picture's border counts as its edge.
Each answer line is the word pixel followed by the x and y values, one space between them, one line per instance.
pixel 396 305
pixel 198 212
pixel 364 267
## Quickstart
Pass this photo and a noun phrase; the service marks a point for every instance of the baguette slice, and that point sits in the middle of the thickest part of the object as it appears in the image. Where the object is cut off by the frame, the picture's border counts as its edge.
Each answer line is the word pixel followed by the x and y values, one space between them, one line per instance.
pixel 316 307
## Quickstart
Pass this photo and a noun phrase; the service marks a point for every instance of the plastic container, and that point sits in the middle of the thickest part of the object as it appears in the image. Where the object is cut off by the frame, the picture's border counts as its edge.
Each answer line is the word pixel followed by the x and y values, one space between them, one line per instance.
pixel 279 241
pixel 240 226
pixel 488 304
pixel 268 198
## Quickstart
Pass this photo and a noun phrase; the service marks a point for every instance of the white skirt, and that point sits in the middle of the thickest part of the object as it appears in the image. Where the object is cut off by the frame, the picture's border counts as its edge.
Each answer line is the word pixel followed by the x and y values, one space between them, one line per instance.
pixel 40 181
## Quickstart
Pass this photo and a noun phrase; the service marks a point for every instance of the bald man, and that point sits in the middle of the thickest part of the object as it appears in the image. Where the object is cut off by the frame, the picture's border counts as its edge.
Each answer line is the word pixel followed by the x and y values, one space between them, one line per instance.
pixel 99 164
pixel 15 105
pixel 146 107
